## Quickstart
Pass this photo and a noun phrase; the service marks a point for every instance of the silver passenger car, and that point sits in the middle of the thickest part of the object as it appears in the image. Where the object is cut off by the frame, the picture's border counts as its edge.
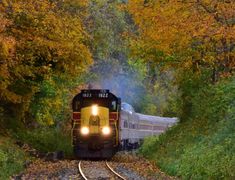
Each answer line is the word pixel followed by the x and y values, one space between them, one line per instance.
pixel 134 127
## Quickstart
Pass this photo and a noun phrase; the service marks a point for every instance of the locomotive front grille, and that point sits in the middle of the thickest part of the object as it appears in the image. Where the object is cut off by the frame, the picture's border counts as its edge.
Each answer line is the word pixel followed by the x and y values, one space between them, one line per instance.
pixel 96 142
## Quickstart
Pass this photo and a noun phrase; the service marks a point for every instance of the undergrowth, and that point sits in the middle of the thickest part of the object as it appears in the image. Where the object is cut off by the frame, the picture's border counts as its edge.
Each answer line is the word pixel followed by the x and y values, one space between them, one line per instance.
pixel 47 140
pixel 202 145
pixel 12 158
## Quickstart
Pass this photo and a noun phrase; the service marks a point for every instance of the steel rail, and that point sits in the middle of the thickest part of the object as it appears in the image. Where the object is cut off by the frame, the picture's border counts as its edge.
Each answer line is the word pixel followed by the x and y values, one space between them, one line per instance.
pixel 80 170
pixel 111 169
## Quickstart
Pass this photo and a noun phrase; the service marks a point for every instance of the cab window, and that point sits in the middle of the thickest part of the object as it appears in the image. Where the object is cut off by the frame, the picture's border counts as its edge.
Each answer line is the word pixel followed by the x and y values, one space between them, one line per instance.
pixel 114 105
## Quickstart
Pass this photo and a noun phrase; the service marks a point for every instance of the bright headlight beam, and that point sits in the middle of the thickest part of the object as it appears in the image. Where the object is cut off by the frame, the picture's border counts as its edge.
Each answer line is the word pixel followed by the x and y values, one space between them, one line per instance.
pixel 106 130
pixel 84 130
pixel 94 110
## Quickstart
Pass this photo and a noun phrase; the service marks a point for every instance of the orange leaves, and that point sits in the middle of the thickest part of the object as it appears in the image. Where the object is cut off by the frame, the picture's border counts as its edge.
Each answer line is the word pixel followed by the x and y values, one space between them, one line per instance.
pixel 39 39
pixel 190 29
pixel 158 22
pixel 50 33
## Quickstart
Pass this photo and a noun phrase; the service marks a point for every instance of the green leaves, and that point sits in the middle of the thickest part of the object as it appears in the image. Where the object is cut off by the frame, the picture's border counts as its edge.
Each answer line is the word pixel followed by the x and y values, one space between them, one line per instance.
pixel 202 146
pixel 12 159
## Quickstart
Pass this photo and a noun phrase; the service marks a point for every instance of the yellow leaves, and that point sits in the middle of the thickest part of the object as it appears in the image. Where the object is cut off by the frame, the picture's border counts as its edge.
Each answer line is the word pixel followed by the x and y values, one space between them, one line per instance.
pixel 45 40
pixel 193 30
pixel 31 6
pixel 83 3
pixel 11 96
pixel 209 59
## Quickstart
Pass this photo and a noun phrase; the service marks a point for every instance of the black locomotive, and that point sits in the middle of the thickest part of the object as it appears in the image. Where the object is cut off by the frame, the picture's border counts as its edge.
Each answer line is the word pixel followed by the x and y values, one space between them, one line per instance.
pixel 95 125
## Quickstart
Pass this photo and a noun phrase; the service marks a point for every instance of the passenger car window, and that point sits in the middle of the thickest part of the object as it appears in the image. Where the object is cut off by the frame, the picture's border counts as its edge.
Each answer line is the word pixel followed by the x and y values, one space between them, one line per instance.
pixel 125 124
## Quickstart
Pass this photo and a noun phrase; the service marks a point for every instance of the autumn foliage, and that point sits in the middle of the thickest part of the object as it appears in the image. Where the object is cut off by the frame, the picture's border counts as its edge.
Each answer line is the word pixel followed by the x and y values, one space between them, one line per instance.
pixel 41 42
pixel 165 57
pixel 195 40
pixel 197 34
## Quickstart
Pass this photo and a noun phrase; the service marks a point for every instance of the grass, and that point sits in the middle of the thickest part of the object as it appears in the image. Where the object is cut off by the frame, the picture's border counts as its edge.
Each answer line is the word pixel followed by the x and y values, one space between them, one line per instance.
pixel 12 158
pixel 202 146
pixel 48 140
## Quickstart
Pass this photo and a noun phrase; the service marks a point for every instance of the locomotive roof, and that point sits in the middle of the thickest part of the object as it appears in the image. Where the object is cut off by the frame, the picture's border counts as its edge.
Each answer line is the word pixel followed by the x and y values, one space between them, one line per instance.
pixel 95 90
pixel 95 93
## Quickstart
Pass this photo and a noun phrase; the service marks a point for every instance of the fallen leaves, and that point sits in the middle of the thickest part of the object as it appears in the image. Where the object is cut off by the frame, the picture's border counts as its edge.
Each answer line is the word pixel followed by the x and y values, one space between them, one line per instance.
pixel 139 165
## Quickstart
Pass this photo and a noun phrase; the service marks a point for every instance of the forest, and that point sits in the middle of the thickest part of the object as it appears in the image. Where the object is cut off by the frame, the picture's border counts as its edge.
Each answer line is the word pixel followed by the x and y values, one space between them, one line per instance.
pixel 166 58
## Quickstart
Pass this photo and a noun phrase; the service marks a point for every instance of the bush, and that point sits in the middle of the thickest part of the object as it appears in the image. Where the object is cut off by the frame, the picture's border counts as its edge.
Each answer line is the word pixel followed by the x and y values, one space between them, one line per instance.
pixel 48 140
pixel 202 145
pixel 148 146
pixel 12 159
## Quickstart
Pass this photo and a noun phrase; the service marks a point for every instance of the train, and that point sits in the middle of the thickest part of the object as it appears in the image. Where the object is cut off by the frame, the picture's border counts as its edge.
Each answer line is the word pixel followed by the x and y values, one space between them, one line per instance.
pixel 102 124
pixel 95 126
pixel 134 127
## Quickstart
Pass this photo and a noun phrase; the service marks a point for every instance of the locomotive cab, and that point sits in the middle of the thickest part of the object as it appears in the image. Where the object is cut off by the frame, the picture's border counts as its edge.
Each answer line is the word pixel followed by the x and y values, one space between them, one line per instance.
pixel 95 124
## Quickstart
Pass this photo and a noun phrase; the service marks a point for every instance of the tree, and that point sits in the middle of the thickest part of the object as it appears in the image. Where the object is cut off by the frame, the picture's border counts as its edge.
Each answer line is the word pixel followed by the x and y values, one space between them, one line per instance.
pixel 197 34
pixel 45 42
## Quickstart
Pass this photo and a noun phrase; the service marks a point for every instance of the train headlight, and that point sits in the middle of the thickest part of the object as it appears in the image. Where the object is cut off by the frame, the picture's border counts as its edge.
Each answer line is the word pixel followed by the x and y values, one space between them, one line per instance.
pixel 106 130
pixel 84 130
pixel 94 110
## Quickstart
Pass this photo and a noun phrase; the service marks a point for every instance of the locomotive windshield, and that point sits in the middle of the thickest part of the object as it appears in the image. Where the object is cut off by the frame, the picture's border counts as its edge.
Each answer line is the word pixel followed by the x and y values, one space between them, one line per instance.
pixel 101 102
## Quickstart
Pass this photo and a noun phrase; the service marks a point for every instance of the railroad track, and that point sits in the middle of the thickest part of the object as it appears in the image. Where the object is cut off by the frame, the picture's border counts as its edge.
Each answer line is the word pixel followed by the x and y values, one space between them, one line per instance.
pixel 114 175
